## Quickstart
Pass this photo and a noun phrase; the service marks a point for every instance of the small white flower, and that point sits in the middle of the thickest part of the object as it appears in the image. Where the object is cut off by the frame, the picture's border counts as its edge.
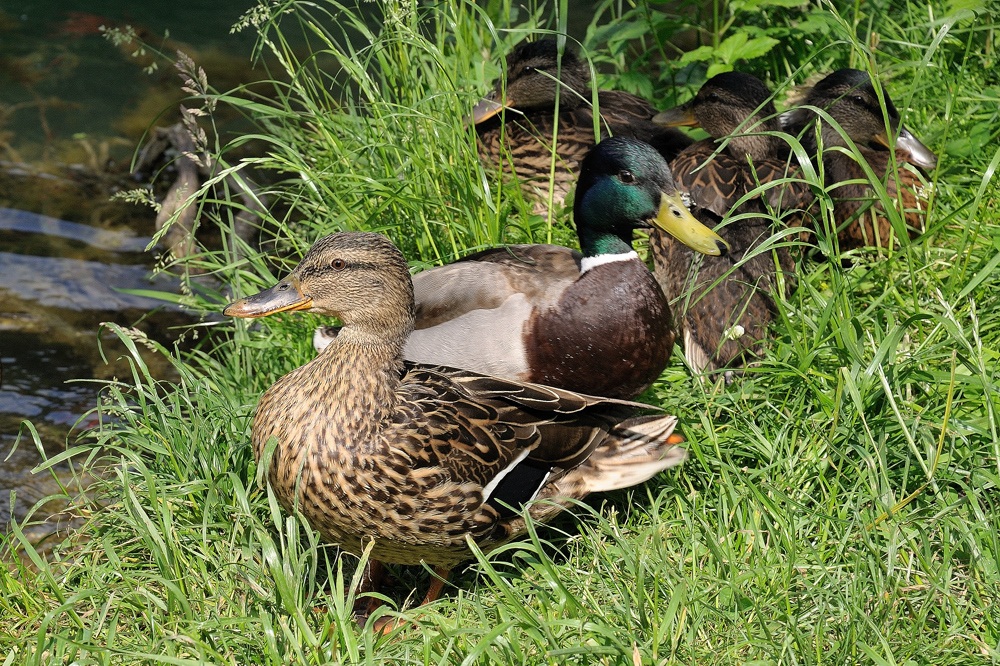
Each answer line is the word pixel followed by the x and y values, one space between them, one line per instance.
pixel 734 332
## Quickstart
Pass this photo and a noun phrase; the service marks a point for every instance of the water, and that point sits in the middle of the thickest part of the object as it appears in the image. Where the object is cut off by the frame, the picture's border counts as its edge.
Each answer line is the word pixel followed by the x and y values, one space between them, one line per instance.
pixel 67 80
pixel 73 109
pixel 59 283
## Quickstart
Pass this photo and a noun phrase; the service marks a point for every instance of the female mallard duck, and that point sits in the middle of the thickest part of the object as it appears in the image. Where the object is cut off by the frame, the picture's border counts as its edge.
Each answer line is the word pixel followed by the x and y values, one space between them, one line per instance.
pixel 416 459
pixel 850 99
pixel 727 302
pixel 517 121
pixel 595 322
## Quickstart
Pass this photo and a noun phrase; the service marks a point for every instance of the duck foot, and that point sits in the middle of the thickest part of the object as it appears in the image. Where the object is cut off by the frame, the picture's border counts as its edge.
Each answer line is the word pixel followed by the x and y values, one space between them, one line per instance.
pixel 388 624
pixel 372 578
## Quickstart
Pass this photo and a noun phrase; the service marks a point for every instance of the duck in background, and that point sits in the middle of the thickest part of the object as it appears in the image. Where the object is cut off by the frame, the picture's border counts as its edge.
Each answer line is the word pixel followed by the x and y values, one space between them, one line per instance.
pixel 517 124
pixel 724 304
pixel 594 321
pixel 415 459
pixel 882 141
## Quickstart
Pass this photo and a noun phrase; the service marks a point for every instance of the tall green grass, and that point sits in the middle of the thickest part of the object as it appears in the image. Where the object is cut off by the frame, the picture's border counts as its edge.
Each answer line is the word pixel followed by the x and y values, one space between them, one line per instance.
pixel 840 501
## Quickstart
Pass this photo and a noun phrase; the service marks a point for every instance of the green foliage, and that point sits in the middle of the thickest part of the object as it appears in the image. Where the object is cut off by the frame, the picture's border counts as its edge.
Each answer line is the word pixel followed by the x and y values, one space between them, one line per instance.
pixel 763 37
pixel 363 113
pixel 839 504
pixel 733 49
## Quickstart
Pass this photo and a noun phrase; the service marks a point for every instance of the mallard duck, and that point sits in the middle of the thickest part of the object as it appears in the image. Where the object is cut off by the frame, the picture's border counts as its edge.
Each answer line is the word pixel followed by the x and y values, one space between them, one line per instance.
pixel 850 98
pixel 594 322
pixel 515 122
pixel 725 303
pixel 416 459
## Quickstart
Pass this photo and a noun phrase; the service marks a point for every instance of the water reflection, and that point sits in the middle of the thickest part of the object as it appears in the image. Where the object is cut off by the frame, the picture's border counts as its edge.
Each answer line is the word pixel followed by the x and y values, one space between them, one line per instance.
pixel 36 380
pixel 61 78
pixel 45 227
pixel 50 347
pixel 38 384
pixel 73 109
pixel 72 284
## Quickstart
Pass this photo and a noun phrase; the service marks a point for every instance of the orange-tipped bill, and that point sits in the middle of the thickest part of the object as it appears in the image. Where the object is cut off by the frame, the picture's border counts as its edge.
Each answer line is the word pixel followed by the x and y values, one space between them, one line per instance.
pixel 675 219
pixel 285 296
pixel 487 107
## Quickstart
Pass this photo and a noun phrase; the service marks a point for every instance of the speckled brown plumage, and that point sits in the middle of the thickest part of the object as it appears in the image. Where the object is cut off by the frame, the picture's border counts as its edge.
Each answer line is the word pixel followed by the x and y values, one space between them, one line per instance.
pixel 521 138
pixel 850 99
pixel 725 304
pixel 416 459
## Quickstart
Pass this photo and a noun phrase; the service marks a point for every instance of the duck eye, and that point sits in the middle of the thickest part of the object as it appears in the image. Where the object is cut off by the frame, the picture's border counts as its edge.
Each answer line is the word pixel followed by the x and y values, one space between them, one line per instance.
pixel 338 264
pixel 626 176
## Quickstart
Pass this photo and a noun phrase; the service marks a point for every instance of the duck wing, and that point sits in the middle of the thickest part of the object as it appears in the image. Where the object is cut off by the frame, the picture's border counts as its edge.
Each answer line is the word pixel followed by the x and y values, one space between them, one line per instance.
pixel 861 217
pixel 723 305
pixel 622 108
pixel 488 279
pixel 790 195
pixel 517 441
pixel 474 313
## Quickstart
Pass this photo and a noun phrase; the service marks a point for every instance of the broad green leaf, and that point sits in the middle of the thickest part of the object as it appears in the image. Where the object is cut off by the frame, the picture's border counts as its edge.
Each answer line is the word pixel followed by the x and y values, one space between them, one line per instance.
pixel 717 68
pixel 731 46
pixel 620 32
pixel 739 47
pixel 699 54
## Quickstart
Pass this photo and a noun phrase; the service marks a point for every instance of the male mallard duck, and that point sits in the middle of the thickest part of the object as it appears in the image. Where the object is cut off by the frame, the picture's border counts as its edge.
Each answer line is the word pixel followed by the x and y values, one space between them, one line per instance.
pixel 595 322
pixel 416 459
pixel 850 99
pixel 516 120
pixel 726 302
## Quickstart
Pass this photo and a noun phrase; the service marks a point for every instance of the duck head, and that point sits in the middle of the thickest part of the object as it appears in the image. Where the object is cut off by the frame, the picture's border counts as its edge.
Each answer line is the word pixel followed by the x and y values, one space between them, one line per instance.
pixel 850 98
pixel 730 103
pixel 535 76
pixel 626 185
pixel 359 277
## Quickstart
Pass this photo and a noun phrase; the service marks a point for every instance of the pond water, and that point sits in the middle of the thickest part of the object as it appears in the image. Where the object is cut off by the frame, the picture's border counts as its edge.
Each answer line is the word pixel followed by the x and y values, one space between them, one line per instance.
pixel 73 109
pixel 66 79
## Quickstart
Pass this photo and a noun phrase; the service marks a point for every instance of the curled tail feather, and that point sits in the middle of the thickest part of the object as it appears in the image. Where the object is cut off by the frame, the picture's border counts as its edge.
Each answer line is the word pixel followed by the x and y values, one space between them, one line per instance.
pixel 637 450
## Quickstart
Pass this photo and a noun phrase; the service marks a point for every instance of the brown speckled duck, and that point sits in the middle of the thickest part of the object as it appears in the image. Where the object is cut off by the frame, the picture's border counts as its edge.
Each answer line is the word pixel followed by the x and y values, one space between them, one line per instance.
pixel 516 120
pixel 595 322
pixel 724 304
pixel 415 459
pixel 850 99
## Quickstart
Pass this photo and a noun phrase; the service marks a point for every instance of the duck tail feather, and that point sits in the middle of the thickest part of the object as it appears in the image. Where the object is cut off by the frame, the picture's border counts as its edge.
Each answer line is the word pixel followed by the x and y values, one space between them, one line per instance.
pixel 637 450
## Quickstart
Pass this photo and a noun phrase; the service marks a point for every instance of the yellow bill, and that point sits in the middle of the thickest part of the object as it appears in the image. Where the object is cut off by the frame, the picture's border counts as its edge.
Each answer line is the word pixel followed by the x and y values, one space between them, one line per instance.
pixel 675 219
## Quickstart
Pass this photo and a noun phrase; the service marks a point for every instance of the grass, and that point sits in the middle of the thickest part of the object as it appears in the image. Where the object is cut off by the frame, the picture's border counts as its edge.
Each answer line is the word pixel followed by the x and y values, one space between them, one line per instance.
pixel 839 504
